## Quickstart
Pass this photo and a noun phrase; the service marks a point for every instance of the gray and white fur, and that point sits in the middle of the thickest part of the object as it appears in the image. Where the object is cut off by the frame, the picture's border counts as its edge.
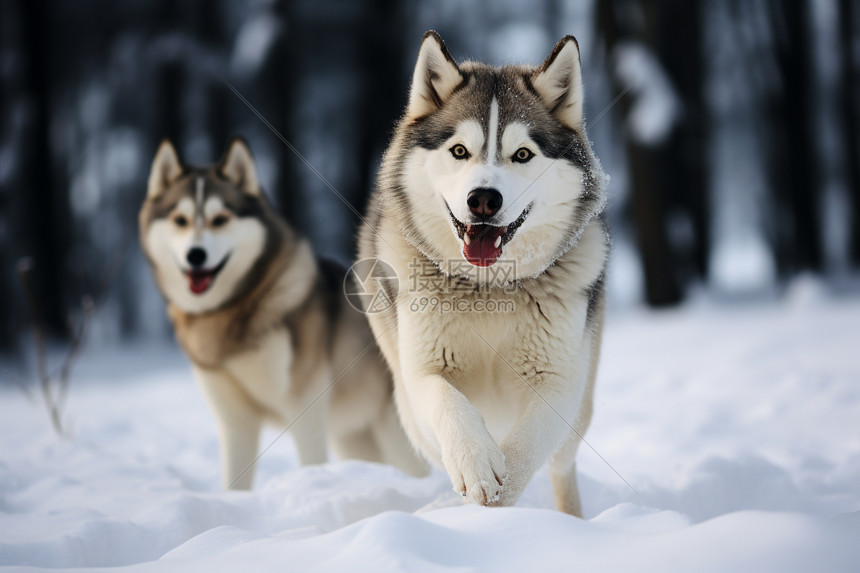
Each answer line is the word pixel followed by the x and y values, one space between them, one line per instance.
pixel 490 190
pixel 264 323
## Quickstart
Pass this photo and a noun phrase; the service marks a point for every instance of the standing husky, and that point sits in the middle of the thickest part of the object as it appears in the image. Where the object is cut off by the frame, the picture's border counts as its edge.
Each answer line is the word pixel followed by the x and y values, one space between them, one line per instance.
pixel 264 324
pixel 487 207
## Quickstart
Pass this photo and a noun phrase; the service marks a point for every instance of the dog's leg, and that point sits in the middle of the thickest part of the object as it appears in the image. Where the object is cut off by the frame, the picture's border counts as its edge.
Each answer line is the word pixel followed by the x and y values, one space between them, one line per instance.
pixel 460 439
pixel 562 465
pixel 536 435
pixel 562 473
pixel 309 428
pixel 358 445
pixel 396 449
pixel 558 407
pixel 239 423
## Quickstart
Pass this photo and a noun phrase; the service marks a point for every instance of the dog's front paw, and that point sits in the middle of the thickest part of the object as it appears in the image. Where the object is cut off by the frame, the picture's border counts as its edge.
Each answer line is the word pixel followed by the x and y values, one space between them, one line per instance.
pixel 516 479
pixel 508 495
pixel 476 467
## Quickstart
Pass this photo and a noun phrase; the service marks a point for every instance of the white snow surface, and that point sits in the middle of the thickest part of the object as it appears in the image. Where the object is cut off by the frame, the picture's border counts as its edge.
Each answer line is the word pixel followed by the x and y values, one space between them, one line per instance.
pixel 737 426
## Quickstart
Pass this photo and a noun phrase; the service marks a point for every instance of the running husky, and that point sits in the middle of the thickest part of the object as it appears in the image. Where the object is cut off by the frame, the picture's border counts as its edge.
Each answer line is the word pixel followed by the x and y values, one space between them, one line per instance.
pixel 487 208
pixel 265 325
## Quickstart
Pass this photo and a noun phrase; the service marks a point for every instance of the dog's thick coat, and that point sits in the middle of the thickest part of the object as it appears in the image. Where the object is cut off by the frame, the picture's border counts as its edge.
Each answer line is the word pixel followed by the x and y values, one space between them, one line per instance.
pixel 265 324
pixel 489 194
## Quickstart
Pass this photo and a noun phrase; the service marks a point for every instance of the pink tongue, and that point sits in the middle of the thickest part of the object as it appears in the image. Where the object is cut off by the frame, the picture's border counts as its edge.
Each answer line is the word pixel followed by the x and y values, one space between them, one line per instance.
pixel 199 282
pixel 481 250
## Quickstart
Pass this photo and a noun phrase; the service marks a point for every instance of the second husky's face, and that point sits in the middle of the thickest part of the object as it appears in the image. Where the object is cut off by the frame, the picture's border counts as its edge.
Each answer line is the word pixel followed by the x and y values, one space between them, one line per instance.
pixel 201 227
pixel 495 162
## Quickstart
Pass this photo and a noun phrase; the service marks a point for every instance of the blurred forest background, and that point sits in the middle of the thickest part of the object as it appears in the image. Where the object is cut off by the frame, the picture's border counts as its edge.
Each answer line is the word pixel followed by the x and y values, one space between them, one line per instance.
pixel 729 128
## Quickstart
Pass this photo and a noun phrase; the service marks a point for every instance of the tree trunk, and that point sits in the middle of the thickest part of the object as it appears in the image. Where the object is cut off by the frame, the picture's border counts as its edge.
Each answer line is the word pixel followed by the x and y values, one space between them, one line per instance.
pixel 679 38
pixel 849 97
pixel 44 221
pixel 646 168
pixel 799 190
pixel 384 87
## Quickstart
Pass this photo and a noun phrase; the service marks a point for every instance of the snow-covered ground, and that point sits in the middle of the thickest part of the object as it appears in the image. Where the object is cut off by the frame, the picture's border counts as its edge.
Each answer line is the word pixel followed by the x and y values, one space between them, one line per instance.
pixel 738 428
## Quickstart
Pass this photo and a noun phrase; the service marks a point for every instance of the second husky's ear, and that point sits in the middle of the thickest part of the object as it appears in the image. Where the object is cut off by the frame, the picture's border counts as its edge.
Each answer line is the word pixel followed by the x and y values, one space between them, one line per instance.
pixel 165 168
pixel 436 75
pixel 238 166
pixel 558 81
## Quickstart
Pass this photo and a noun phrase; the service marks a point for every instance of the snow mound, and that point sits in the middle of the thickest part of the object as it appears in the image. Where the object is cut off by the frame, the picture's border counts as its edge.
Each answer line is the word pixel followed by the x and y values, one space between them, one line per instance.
pixel 736 428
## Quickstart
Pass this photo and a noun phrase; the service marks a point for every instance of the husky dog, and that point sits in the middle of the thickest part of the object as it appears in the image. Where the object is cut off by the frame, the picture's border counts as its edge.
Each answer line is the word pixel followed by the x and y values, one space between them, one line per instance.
pixel 490 190
pixel 264 323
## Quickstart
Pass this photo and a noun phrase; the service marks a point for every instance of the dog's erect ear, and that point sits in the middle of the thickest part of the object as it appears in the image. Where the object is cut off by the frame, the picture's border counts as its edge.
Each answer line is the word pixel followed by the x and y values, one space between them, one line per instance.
pixel 559 82
pixel 238 166
pixel 165 168
pixel 436 75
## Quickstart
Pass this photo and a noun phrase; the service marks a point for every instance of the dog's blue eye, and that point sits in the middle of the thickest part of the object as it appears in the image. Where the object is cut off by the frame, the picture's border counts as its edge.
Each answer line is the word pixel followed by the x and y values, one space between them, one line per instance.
pixel 219 220
pixel 523 155
pixel 180 221
pixel 459 151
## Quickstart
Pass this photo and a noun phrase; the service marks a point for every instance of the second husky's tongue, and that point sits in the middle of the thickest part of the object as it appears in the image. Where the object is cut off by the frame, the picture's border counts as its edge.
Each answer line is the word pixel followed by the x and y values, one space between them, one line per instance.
pixel 483 244
pixel 199 282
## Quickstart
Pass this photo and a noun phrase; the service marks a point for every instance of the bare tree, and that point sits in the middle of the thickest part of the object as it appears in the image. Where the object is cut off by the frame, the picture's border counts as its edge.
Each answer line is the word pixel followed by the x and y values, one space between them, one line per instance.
pixel 54 384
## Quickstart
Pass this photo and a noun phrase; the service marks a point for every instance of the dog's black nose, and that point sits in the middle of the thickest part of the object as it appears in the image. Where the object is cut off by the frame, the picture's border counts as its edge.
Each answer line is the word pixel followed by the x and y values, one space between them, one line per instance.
pixel 196 257
pixel 484 201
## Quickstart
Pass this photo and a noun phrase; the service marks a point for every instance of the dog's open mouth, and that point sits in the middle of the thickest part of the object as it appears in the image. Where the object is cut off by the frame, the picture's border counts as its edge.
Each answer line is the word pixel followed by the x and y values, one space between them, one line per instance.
pixel 199 280
pixel 482 243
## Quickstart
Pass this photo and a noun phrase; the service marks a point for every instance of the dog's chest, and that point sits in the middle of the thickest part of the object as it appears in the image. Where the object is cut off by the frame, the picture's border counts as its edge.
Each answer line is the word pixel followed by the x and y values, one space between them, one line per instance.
pixel 481 335
pixel 262 368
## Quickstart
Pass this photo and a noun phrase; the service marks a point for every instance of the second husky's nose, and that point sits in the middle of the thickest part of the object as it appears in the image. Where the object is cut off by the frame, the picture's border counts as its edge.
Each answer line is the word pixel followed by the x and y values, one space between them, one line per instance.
pixel 484 201
pixel 196 257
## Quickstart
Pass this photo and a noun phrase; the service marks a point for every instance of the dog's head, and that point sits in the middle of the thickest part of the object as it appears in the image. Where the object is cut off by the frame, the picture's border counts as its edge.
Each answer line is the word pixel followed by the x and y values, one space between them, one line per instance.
pixel 494 163
pixel 203 229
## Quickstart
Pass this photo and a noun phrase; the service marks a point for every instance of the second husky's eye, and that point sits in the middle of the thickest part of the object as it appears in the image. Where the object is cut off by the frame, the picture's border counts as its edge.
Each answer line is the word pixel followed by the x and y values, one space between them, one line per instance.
pixel 180 221
pixel 459 151
pixel 523 155
pixel 219 221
